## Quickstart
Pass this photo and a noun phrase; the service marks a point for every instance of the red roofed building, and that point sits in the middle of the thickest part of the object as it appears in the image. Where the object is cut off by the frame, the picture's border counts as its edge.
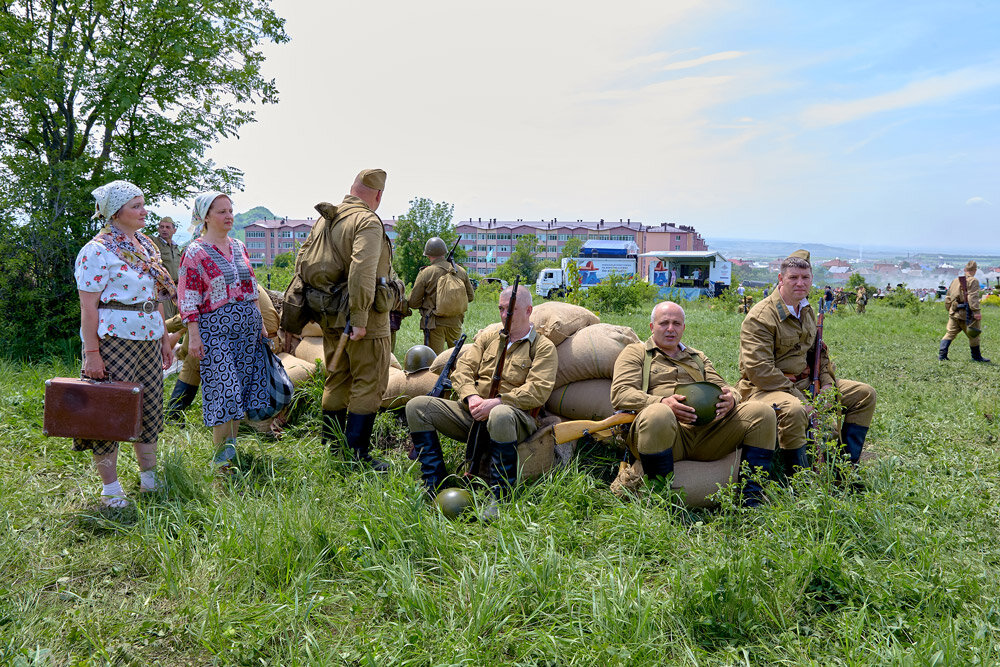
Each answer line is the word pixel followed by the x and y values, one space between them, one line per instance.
pixel 266 239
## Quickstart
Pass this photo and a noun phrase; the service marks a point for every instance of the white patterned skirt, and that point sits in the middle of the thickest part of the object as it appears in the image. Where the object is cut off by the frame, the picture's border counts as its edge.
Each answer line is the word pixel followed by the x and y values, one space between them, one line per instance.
pixel 234 370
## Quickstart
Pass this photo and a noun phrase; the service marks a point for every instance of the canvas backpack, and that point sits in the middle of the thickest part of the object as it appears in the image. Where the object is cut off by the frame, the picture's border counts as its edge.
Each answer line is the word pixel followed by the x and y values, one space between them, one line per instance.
pixel 451 299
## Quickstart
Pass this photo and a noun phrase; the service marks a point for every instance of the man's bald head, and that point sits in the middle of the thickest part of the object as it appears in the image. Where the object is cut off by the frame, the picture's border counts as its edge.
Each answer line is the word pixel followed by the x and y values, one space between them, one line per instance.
pixel 665 305
pixel 523 294
pixel 667 326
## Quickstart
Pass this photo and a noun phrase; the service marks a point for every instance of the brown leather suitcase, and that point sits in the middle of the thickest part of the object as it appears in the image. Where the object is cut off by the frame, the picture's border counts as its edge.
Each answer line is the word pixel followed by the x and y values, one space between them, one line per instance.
pixel 92 410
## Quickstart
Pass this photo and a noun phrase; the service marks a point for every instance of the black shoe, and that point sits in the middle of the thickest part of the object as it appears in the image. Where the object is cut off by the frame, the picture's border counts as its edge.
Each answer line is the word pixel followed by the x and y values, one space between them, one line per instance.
pixel 943 350
pixel 427 446
pixel 333 427
pixel 181 398
pixel 658 469
pixel 977 355
pixel 853 437
pixel 794 460
pixel 759 463
pixel 358 433
pixel 503 469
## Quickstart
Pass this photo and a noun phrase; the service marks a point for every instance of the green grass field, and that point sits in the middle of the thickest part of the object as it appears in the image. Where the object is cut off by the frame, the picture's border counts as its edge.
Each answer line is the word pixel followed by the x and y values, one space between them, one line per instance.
pixel 305 560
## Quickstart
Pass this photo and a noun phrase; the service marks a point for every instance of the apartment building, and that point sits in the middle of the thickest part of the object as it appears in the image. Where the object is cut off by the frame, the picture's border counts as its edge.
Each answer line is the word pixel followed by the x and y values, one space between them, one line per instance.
pixel 266 239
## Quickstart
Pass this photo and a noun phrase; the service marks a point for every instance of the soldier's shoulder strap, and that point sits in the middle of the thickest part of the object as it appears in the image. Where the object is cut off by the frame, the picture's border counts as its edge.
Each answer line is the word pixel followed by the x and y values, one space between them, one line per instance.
pixel 647 366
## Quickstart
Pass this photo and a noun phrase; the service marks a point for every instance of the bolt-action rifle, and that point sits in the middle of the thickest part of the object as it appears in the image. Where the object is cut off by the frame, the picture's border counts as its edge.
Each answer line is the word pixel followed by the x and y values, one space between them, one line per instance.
pixel 479 447
pixel 443 383
pixel 963 282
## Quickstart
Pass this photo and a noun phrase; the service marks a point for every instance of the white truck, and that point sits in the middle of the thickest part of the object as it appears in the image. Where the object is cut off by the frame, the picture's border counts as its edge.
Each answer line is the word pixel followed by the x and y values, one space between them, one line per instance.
pixel 552 282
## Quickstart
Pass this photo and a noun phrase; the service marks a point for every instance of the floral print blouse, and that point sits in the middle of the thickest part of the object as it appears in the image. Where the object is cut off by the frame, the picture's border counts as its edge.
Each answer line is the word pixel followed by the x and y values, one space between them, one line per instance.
pixel 100 270
pixel 208 280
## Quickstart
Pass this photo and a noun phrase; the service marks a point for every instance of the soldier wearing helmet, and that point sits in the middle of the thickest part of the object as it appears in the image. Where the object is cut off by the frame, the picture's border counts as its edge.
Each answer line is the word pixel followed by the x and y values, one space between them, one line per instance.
pixel 650 378
pixel 441 323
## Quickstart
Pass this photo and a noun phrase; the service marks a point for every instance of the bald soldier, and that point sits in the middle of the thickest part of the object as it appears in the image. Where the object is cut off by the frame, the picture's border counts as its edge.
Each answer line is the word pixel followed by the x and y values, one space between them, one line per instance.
pixel 776 339
pixel 645 380
pixel 962 319
pixel 529 374
pixel 353 282
pixel 441 318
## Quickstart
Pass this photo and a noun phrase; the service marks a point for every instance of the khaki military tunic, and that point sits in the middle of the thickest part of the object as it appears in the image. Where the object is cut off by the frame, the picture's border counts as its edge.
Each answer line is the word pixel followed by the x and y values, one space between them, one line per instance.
pixel 529 375
pixel 656 428
pixel 862 299
pixel 170 254
pixel 362 258
pixel 774 345
pixel 957 322
pixel 442 331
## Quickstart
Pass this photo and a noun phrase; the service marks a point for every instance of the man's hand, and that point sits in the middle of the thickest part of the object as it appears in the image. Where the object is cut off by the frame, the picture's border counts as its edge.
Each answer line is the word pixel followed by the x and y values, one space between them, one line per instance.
pixel 977 316
pixel 480 407
pixel 726 403
pixel 195 347
pixel 166 352
pixel 685 413
pixel 357 333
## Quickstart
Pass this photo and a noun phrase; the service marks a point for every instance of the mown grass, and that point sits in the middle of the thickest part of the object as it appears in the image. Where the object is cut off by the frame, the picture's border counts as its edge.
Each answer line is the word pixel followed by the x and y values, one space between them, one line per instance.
pixel 303 559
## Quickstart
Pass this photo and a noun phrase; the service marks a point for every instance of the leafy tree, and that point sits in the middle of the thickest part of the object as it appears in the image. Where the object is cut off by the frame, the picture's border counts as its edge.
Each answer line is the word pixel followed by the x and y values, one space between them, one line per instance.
pixel 572 248
pixel 284 260
pixel 94 90
pixel 423 220
pixel 523 261
pixel 857 280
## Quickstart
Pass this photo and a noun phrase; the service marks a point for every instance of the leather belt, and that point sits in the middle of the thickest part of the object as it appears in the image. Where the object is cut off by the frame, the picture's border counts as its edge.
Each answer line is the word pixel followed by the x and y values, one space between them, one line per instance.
pixel 144 307
pixel 796 378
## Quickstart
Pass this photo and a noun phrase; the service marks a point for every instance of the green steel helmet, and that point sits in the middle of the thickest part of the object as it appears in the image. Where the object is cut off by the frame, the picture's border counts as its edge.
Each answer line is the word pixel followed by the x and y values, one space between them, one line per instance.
pixel 454 502
pixel 418 358
pixel 702 396
pixel 435 247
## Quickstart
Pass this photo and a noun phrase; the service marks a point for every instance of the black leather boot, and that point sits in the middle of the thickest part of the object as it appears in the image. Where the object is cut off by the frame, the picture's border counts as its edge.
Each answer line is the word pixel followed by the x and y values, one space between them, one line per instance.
pixel 181 398
pixel 943 350
pixel 759 462
pixel 977 355
pixel 658 469
pixel 853 437
pixel 359 436
pixel 503 476
pixel 427 445
pixel 334 425
pixel 795 459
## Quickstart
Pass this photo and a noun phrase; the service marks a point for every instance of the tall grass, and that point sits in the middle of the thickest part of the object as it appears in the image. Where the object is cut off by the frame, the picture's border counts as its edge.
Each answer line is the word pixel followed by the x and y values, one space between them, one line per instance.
pixel 304 559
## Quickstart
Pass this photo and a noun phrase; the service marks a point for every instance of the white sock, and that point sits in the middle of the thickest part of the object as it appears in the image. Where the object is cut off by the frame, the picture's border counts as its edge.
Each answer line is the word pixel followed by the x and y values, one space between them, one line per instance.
pixel 113 489
pixel 147 479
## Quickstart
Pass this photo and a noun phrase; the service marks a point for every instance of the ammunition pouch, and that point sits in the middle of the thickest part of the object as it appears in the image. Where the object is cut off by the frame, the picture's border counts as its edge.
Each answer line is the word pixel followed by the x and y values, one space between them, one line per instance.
pixel 385 297
pixel 295 311
pixel 327 305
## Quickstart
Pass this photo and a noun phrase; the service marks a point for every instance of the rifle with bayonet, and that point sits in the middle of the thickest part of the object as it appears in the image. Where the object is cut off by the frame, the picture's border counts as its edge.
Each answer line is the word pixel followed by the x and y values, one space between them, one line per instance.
pixel 479 447
pixel 443 383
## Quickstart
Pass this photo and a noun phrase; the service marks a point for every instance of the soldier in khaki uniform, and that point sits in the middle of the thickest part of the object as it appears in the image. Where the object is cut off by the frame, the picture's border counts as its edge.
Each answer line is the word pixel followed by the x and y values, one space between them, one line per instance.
pixel 957 320
pixel 775 339
pixel 189 379
pixel 861 301
pixel 529 374
pixel 440 332
pixel 664 430
pixel 170 253
pixel 357 270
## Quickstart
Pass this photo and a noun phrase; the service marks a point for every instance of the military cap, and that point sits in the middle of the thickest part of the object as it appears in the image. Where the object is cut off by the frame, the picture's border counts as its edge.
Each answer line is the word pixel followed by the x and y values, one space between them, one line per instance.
pixel 373 178
pixel 972 267
pixel 167 218
pixel 801 254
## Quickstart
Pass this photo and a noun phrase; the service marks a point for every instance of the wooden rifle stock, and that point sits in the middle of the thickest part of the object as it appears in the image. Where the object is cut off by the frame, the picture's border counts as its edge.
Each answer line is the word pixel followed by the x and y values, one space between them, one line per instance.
pixel 571 430
pixel 341 344
pixel 478 448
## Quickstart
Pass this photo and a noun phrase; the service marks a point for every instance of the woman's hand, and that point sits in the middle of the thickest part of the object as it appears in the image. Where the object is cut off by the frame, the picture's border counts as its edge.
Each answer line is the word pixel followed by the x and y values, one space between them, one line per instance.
pixel 195 346
pixel 93 365
pixel 167 352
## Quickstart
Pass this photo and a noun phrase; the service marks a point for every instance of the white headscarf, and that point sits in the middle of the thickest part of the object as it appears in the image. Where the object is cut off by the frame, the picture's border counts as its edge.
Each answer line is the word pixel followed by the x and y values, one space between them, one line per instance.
pixel 202 203
pixel 112 197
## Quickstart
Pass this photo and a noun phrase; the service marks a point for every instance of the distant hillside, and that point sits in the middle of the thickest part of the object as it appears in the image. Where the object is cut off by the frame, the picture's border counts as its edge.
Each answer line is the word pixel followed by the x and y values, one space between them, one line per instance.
pixel 751 249
pixel 241 220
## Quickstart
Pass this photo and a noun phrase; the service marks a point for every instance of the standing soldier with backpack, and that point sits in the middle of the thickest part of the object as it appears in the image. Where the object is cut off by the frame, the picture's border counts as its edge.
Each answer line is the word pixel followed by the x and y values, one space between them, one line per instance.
pixel 964 313
pixel 442 292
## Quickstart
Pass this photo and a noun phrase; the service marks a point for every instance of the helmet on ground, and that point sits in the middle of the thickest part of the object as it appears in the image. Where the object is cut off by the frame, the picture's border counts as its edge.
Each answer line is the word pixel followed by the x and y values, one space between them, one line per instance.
pixel 435 247
pixel 418 358
pixel 702 396
pixel 454 502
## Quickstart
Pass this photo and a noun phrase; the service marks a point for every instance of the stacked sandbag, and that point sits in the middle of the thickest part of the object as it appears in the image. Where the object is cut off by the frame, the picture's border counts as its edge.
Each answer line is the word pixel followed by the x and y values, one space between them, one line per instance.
pixel 536 455
pixel 402 387
pixel 394 362
pixel 558 320
pixel 312 330
pixel 589 399
pixel 310 349
pixel 590 353
pixel 697 479
pixel 298 370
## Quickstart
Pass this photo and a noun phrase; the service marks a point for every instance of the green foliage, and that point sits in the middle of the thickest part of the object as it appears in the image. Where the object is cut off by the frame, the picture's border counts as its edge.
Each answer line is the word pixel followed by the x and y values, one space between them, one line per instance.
pixel 523 261
pixel 423 220
pixel 620 294
pixel 857 280
pixel 992 300
pixel 284 260
pixel 572 248
pixel 91 92
pixel 901 297
pixel 241 220
pixel 741 273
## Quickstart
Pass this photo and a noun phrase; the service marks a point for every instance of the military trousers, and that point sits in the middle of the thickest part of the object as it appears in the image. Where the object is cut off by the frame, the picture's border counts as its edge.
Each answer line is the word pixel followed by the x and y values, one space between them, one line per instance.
pixel 359 380
pixel 441 338
pixel 856 398
pixel 656 429
pixel 504 424
pixel 957 325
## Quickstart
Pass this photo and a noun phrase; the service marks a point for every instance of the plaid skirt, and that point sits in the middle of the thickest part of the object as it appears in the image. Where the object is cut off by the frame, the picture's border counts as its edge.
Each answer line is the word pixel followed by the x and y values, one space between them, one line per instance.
pixel 133 361
pixel 234 370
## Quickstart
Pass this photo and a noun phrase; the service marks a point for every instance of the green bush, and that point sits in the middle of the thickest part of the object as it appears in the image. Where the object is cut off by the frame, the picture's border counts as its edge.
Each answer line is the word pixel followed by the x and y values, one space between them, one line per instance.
pixel 901 297
pixel 619 294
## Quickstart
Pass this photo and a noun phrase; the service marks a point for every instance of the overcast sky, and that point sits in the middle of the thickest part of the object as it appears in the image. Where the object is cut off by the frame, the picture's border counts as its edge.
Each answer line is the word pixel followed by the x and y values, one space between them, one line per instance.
pixel 847 122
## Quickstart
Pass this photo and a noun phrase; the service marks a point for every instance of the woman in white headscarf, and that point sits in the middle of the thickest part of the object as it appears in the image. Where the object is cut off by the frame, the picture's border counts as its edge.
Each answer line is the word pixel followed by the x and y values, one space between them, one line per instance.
pixel 217 299
pixel 122 286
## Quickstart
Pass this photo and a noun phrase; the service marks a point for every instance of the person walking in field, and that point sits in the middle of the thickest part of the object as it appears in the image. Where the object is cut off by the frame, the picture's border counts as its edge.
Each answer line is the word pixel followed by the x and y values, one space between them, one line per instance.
pixel 442 293
pixel 964 313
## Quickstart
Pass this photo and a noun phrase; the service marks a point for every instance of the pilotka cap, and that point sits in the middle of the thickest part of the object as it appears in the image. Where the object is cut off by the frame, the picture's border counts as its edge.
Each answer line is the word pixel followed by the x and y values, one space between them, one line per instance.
pixel 373 178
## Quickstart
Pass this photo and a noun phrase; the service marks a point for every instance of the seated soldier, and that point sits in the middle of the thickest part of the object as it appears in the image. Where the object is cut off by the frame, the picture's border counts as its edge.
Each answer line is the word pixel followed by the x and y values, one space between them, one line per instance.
pixel 646 376
pixel 529 374
pixel 776 337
